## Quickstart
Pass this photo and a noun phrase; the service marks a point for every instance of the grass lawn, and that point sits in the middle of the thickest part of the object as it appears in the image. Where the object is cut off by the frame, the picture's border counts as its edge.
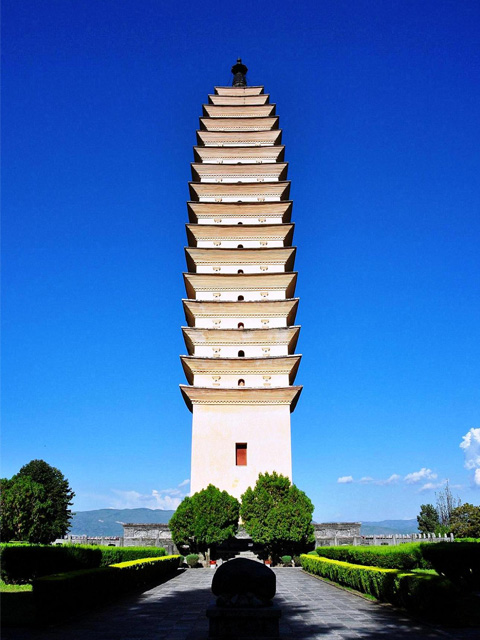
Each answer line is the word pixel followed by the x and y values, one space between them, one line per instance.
pixel 18 609
pixel 14 588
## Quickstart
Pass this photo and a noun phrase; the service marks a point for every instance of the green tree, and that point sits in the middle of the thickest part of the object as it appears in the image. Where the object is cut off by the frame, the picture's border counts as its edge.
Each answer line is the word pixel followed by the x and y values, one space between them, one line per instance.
pixel 446 503
pixel 35 504
pixel 205 520
pixel 278 515
pixel 26 511
pixel 427 519
pixel 465 521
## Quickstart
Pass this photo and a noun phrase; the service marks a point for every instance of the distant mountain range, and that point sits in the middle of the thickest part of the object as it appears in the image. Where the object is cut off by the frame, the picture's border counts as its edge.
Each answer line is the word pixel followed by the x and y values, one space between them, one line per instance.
pixel 389 527
pixel 108 522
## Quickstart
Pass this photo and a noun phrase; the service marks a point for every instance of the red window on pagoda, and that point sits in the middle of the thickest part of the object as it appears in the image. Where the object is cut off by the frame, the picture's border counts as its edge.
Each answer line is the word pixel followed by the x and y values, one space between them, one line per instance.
pixel 241 454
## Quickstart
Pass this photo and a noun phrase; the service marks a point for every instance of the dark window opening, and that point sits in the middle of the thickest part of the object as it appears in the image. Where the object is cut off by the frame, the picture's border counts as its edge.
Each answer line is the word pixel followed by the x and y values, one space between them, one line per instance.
pixel 239 222
pixel 241 383
pixel 240 271
pixel 241 454
pixel 241 325
pixel 240 298
pixel 241 354
pixel 240 246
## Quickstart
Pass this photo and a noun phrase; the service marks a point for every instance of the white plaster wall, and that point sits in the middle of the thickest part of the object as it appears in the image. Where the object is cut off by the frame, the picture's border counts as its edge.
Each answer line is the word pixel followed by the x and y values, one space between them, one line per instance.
pixel 229 381
pixel 233 244
pixel 235 199
pixel 247 295
pixel 239 159
pixel 247 268
pixel 251 351
pixel 230 220
pixel 232 323
pixel 215 143
pixel 215 431
pixel 237 179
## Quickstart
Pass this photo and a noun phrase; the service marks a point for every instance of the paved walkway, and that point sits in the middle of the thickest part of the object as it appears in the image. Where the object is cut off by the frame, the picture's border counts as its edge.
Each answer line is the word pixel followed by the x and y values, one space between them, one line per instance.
pixel 176 610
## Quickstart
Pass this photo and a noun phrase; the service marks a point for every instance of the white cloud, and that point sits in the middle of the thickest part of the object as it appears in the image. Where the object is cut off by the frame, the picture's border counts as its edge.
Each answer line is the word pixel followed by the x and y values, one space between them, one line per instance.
pixel 420 476
pixel 476 477
pixel 184 483
pixel 430 486
pixel 345 480
pixel 167 499
pixel 366 480
pixel 471 448
pixel 393 479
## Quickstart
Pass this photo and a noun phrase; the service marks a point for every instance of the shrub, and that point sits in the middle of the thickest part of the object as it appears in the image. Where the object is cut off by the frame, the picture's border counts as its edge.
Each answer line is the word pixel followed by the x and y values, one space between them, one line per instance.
pixel 297 561
pixel 421 591
pixel 57 596
pixel 191 560
pixel 205 520
pixel 277 515
pixel 405 557
pixel 112 555
pixel 457 561
pixel 287 560
pixel 22 563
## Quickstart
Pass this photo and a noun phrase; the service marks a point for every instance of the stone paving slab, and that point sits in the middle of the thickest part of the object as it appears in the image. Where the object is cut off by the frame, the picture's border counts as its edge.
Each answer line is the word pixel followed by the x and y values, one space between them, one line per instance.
pixel 311 609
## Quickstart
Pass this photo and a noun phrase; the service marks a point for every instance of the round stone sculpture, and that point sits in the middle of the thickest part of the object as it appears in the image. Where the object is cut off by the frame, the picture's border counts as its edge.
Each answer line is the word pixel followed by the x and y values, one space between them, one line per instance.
pixel 244 583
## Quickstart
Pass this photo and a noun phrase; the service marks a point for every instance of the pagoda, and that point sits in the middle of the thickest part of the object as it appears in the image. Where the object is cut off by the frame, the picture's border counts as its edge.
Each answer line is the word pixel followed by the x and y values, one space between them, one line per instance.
pixel 240 307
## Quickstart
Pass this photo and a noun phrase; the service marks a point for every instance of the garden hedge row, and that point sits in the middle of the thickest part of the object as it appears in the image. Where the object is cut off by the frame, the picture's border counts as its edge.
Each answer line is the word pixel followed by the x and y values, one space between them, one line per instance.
pixel 405 557
pixel 423 591
pixel 458 561
pixel 22 563
pixel 57 596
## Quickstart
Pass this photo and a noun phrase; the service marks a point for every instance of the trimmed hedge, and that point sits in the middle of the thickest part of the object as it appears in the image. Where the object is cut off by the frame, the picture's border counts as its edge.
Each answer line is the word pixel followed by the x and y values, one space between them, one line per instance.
pixel 112 555
pixel 25 562
pixel 57 596
pixel 421 591
pixel 22 563
pixel 405 557
pixel 457 561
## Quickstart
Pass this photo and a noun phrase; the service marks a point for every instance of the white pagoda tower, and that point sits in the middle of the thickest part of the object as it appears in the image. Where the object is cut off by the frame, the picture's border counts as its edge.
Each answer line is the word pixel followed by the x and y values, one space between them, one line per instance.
pixel 240 307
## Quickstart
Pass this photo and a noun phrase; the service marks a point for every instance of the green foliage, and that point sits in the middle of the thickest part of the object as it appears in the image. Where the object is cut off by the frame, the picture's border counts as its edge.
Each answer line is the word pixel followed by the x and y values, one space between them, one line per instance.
pixel 297 561
pixel 419 591
pixel 465 521
pixel 287 560
pixel 205 519
pixel 278 515
pixel 22 563
pixel 446 503
pixel 57 596
pixel 427 519
pixel 405 556
pixel 35 504
pixel 26 511
pixel 192 560
pixel 457 561
pixel 112 555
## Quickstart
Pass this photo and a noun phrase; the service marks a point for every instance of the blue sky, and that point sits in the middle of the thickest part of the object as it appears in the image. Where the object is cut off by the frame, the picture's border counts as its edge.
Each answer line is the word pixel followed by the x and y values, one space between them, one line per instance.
pixel 378 101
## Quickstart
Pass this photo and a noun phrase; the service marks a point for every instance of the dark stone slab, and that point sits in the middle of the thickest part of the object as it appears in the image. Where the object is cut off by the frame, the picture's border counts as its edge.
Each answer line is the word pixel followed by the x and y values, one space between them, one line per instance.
pixel 242 582
pixel 243 623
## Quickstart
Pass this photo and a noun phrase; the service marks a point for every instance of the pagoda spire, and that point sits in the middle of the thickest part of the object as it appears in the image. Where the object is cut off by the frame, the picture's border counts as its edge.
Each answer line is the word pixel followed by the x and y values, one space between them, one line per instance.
pixel 239 71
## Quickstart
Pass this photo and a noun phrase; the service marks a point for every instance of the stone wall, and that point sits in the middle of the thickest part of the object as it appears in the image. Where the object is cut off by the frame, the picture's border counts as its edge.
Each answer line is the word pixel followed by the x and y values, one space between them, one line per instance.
pixel 334 533
pixel 159 535
pixel 148 535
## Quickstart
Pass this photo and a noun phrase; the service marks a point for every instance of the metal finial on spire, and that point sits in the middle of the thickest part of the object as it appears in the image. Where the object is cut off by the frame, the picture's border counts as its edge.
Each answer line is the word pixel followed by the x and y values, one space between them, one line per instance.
pixel 239 71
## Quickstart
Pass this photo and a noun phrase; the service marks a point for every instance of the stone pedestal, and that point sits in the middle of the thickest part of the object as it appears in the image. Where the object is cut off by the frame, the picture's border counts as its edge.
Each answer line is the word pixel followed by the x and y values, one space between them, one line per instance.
pixel 243 623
